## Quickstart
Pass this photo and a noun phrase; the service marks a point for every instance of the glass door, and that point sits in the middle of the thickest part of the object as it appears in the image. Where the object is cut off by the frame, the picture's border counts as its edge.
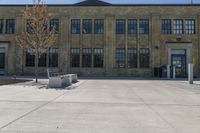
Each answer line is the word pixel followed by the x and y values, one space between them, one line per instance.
pixel 179 61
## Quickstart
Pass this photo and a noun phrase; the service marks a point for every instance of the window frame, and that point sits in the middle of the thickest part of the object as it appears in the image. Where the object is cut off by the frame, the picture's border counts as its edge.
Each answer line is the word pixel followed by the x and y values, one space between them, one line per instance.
pixel 76 23
pixel 87 27
pixel 74 61
pixel 98 26
pixel 10 26
pixel 120 26
pixel 144 26
pixel 120 57
pixel 98 57
pixel 144 57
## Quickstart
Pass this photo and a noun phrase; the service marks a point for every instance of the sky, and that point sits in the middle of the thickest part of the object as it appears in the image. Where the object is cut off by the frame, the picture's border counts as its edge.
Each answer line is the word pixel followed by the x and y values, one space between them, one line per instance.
pixel 110 1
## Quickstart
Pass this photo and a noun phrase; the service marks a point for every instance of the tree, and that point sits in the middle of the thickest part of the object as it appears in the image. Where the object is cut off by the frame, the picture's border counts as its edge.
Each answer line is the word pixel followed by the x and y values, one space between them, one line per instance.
pixel 38 36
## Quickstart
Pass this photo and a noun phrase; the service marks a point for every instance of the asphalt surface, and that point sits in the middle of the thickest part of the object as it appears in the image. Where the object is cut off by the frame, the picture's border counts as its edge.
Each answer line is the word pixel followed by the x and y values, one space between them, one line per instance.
pixel 101 106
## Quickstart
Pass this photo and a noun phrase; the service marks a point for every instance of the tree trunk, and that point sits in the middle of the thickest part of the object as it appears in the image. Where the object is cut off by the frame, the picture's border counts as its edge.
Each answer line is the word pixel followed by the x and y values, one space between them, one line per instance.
pixel 36 66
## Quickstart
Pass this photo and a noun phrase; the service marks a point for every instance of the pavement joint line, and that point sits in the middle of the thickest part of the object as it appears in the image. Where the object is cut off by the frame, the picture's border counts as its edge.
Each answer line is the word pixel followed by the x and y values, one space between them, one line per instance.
pixel 158 114
pixel 37 108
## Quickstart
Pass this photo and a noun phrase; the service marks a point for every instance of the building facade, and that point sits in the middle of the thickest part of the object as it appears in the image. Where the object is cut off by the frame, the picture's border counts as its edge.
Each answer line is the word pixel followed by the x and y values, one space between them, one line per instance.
pixel 96 38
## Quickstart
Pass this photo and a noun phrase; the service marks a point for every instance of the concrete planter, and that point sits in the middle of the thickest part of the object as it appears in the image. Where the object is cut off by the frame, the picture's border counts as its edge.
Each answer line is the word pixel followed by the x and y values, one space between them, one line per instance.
pixel 60 81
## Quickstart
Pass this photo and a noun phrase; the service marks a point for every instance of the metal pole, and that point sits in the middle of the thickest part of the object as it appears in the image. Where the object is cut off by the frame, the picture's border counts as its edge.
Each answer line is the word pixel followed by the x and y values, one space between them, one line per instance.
pixel 174 72
pixel 168 71
pixel 190 73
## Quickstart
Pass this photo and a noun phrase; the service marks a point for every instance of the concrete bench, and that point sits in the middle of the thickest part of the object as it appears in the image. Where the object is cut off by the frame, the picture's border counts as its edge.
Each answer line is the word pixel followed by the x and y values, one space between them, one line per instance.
pixel 60 81
pixel 73 77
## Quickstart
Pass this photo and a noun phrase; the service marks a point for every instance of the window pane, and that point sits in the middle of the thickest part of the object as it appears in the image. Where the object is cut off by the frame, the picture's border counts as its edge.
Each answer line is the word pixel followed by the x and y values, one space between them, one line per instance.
pixel 132 26
pixel 75 26
pixel 144 26
pixel 53 57
pixel 10 26
pixel 166 26
pixel 75 57
pixel 2 58
pixel 42 62
pixel 144 58
pixel 178 26
pixel 99 26
pixel 132 57
pixel 87 57
pixel 120 26
pixel 54 24
pixel 1 26
pixel 120 57
pixel 87 26
pixel 30 58
pixel 98 57
pixel 190 26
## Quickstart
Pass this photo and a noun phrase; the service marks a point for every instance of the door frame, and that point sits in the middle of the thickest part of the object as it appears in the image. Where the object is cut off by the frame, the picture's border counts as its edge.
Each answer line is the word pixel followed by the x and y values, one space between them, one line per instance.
pixel 180 45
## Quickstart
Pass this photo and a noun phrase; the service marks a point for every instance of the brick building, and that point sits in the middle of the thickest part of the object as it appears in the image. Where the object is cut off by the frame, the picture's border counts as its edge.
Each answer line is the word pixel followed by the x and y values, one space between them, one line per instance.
pixel 96 38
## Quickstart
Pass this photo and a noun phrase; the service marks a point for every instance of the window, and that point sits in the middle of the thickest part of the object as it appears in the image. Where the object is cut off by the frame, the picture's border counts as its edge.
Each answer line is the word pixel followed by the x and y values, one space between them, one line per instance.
pixel 28 26
pixel 132 57
pixel 10 26
pixel 190 26
pixel 144 26
pixel 53 57
pixel 178 26
pixel 42 62
pixel 2 57
pixel 120 26
pixel 120 57
pixel 144 58
pixel 98 57
pixel 54 24
pixel 166 26
pixel 87 26
pixel 86 57
pixel 75 57
pixel 75 26
pixel 132 26
pixel 30 58
pixel 1 26
pixel 98 26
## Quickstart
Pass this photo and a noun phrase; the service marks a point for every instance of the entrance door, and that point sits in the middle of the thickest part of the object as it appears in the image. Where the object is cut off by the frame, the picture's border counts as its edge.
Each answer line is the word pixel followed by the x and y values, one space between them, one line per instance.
pixel 179 60
pixel 2 58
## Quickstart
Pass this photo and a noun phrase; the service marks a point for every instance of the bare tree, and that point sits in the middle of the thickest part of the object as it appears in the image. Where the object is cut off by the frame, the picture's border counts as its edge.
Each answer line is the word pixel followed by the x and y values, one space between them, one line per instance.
pixel 38 36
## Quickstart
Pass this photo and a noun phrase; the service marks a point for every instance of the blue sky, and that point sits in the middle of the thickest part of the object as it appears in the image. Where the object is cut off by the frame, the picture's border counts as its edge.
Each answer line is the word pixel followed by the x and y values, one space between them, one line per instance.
pixel 111 1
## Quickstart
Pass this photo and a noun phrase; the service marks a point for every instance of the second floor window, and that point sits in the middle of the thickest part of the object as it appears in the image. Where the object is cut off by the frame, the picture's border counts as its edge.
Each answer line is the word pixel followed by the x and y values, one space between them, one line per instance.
pixel 144 26
pixel 1 26
pixel 98 26
pixel 166 26
pixel 75 26
pixel 10 26
pixel 178 26
pixel 189 26
pixel 132 26
pixel 87 26
pixel 54 24
pixel 120 26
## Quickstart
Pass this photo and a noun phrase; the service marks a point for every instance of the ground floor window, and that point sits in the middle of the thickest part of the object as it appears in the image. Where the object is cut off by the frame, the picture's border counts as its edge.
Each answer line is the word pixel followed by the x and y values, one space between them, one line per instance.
pixel 75 57
pixel 53 57
pixel 30 58
pixel 98 57
pixel 120 57
pixel 132 58
pixel 86 57
pixel 2 58
pixel 144 57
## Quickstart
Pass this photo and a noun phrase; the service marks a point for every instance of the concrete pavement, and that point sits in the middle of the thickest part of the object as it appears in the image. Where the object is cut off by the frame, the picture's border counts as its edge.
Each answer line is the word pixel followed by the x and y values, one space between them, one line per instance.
pixel 101 106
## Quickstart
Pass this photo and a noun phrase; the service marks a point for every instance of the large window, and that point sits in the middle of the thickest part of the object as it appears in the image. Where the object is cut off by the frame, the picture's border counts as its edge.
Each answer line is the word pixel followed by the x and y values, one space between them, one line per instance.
pixel 178 26
pixel 75 57
pixel 98 26
pixel 144 58
pixel 1 26
pixel 75 26
pixel 166 26
pixel 120 26
pixel 10 26
pixel 54 24
pixel 86 57
pixel 190 26
pixel 98 57
pixel 144 26
pixel 120 57
pixel 132 26
pixel 2 58
pixel 53 57
pixel 87 26
pixel 30 58
pixel 42 62
pixel 132 57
